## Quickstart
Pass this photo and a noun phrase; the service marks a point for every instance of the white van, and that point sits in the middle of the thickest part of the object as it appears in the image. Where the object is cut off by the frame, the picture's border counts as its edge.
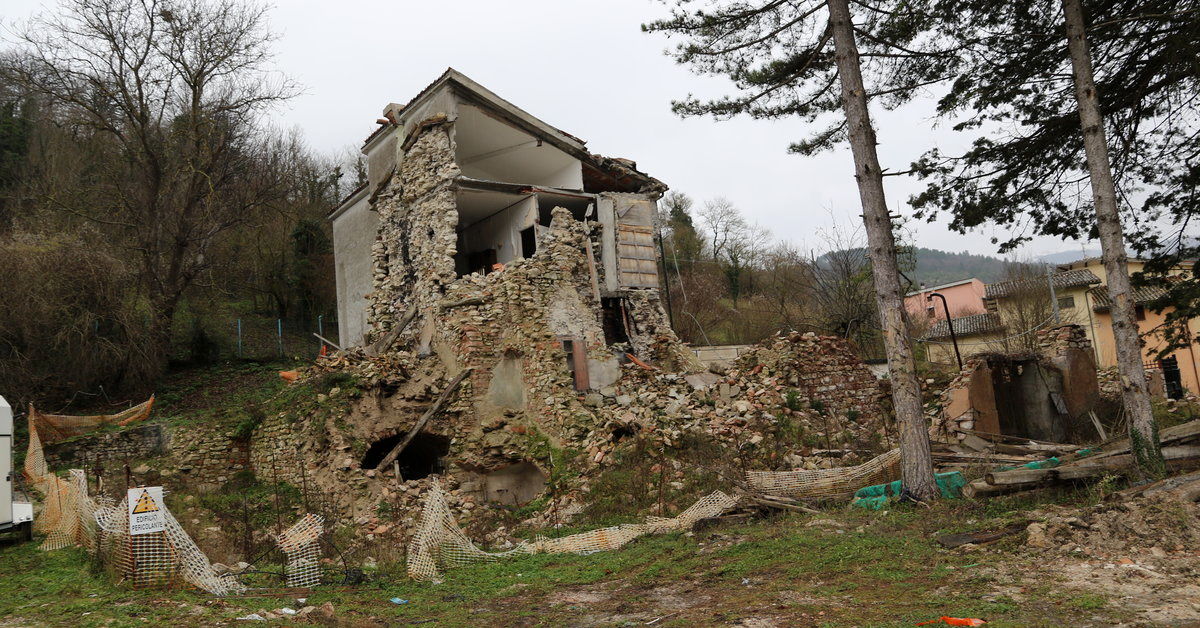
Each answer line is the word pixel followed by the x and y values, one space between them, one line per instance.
pixel 14 516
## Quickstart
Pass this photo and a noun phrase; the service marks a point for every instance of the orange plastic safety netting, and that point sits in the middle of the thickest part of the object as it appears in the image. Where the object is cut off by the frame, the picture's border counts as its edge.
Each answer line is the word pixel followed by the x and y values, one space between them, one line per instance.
pixel 55 427
pixel 70 516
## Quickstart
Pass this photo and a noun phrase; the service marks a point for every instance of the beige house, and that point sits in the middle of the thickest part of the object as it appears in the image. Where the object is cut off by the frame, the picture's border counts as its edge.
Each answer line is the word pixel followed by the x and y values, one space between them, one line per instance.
pixel 1015 311
pixel 1081 296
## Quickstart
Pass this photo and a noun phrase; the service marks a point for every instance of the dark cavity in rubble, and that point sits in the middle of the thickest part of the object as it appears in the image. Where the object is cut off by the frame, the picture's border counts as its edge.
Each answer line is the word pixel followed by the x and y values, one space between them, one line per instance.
pixel 424 456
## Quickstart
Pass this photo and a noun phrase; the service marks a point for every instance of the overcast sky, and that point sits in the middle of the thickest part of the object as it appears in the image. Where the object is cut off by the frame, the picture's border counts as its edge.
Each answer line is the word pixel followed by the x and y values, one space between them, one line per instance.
pixel 586 67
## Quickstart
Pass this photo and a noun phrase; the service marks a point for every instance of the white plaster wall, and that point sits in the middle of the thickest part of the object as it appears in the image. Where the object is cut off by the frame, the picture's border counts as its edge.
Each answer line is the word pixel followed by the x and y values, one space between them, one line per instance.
pixel 354 232
pixel 502 231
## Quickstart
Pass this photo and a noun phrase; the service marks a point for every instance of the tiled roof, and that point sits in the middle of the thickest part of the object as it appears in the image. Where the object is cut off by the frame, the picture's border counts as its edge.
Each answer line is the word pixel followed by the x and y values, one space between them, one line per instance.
pixel 1102 301
pixel 966 326
pixel 1068 279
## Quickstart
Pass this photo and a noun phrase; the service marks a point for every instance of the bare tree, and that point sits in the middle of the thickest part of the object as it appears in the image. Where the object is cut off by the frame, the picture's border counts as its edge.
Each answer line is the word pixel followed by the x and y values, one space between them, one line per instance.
pixel 1026 307
pixel 734 243
pixel 842 300
pixel 726 226
pixel 176 87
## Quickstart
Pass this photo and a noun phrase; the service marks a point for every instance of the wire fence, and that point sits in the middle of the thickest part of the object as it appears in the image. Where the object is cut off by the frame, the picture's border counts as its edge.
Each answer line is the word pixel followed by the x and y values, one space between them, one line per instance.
pixel 253 338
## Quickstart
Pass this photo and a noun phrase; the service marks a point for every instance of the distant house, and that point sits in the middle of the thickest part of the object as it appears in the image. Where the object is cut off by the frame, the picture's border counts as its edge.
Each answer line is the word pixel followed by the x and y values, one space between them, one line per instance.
pixel 1082 298
pixel 1013 310
pixel 1181 369
pixel 963 298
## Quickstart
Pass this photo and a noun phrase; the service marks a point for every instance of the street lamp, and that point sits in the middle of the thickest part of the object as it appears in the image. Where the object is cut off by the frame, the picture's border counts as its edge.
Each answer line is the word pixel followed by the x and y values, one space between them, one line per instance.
pixel 949 324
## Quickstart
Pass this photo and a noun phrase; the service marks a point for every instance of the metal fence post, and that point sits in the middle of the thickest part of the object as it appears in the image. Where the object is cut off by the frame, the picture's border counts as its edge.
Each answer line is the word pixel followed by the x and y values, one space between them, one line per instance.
pixel 320 331
pixel 279 334
pixel 239 345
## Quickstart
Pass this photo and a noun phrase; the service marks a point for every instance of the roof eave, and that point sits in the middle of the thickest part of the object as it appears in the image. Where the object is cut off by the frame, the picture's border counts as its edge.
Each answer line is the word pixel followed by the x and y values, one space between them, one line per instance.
pixel 349 202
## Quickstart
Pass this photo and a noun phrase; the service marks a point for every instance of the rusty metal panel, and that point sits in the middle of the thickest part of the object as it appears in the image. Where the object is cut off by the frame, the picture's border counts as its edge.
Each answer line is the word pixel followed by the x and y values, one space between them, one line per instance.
pixel 579 364
pixel 636 256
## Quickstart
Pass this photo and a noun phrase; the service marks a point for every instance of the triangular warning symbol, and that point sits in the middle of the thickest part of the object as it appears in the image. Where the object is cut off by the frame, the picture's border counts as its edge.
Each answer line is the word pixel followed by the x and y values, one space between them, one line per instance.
pixel 145 503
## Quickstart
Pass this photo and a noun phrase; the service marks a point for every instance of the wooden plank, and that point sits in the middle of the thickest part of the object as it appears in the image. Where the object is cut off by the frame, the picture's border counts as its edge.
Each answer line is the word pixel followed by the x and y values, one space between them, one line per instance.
pixel 385 343
pixel 587 245
pixel 579 363
pixel 420 424
pixel 1085 468
pixel 637 259
pixel 976 443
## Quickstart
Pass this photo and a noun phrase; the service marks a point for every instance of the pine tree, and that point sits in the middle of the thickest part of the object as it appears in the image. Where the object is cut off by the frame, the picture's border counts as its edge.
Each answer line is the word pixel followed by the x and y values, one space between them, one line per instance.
pixel 1046 90
pixel 803 59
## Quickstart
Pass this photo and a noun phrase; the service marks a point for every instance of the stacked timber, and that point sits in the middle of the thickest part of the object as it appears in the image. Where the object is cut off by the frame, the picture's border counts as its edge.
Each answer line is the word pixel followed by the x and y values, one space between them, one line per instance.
pixel 1180 448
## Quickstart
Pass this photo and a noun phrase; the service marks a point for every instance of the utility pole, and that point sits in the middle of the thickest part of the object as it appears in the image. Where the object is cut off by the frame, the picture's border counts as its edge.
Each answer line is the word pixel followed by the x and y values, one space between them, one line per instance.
pixel 666 276
pixel 1053 295
pixel 949 325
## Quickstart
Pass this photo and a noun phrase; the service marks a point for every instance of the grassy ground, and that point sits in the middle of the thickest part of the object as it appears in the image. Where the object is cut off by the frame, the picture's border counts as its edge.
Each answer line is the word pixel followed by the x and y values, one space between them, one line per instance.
pixel 850 568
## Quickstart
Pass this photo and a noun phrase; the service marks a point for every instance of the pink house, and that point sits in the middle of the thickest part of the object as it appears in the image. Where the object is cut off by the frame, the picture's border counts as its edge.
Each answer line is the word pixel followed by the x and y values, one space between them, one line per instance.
pixel 962 297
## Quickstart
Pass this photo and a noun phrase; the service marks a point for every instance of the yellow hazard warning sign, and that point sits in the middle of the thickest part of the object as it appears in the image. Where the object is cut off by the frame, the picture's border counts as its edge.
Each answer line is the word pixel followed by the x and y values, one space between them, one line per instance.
pixel 145 509
pixel 145 503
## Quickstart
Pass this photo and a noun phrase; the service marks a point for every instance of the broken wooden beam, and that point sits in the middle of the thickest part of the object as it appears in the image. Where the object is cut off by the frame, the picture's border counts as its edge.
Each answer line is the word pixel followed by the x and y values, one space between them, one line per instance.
pixel 327 341
pixel 1146 490
pixel 1018 444
pixel 447 305
pixel 384 344
pixel 1023 479
pixel 420 424
pixel 1166 436
pixel 982 458
pixel 781 503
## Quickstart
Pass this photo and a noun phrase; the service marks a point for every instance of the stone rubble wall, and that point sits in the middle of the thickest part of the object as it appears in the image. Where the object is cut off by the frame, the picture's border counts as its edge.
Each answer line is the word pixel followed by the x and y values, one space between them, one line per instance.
pixel 197 456
pixel 274 452
pixel 206 456
pixel 413 257
pixel 824 370
pixel 143 441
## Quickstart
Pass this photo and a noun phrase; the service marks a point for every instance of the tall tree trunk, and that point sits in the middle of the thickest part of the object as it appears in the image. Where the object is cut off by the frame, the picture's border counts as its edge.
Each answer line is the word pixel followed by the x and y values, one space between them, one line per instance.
pixel 158 349
pixel 916 463
pixel 1143 433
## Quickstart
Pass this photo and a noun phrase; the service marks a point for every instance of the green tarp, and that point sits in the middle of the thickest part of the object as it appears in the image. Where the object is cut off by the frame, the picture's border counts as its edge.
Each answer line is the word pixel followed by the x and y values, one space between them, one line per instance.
pixel 950 484
pixel 875 497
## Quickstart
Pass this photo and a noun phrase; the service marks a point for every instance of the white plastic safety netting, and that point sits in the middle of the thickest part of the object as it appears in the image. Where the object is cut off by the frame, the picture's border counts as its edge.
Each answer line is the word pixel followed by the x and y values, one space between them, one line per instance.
pixel 835 483
pixel 440 544
pixel 299 544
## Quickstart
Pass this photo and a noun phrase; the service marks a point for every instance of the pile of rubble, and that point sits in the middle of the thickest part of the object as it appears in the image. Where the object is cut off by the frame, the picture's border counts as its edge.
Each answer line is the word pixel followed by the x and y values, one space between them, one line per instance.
pixel 799 399
pixel 825 371
pixel 1160 527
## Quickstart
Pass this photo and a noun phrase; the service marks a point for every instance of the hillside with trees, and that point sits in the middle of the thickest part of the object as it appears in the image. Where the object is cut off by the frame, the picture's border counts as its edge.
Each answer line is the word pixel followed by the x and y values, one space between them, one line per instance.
pixel 148 214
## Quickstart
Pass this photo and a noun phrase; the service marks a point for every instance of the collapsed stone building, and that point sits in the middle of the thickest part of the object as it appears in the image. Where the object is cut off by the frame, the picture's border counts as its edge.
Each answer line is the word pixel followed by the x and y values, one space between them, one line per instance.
pixel 500 244
pixel 461 192
pixel 490 245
